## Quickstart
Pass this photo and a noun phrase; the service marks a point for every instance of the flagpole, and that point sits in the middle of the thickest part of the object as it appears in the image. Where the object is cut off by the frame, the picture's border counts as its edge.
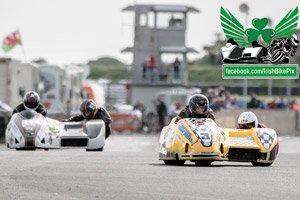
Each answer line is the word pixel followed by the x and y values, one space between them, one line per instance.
pixel 23 49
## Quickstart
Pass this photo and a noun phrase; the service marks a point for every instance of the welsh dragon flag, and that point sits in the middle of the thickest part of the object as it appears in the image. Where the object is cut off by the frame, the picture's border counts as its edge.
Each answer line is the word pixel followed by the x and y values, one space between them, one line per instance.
pixel 11 41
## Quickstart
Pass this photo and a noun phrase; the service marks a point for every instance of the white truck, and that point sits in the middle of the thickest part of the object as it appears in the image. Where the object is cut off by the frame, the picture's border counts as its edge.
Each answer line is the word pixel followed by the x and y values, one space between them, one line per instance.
pixel 15 79
pixel 61 88
pixel 53 92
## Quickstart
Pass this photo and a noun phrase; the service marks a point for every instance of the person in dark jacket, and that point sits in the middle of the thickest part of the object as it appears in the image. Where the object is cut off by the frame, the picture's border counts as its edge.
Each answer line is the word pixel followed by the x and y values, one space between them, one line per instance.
pixel 161 109
pixel 254 103
pixel 198 108
pixel 31 101
pixel 90 111
pixel 176 66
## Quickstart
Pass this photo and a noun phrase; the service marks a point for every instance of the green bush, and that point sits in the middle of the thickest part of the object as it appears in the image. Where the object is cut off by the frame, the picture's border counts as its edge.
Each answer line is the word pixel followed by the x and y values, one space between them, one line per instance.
pixel 115 73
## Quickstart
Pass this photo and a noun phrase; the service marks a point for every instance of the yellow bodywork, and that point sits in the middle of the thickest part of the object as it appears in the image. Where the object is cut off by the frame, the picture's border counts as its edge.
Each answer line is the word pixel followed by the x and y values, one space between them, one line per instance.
pixel 201 139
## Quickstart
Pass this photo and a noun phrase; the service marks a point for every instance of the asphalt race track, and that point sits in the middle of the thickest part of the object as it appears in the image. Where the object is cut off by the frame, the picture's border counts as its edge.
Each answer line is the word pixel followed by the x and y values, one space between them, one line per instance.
pixel 129 169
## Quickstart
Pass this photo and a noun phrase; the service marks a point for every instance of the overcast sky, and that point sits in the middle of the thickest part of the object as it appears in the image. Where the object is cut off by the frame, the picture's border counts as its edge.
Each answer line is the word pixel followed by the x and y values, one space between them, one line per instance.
pixel 76 31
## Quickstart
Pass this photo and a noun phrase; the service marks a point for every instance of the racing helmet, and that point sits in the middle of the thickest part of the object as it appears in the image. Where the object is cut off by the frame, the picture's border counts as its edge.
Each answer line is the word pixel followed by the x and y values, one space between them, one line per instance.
pixel 88 108
pixel 31 100
pixel 198 104
pixel 247 120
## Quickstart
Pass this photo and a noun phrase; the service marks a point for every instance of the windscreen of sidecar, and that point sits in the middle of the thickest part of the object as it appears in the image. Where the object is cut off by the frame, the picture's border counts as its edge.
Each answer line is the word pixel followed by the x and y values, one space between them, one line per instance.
pixel 28 114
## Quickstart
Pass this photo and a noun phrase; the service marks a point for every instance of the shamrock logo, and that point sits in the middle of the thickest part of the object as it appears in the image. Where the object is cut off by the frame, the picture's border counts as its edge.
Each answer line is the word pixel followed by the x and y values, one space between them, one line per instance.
pixel 259 25
pixel 233 29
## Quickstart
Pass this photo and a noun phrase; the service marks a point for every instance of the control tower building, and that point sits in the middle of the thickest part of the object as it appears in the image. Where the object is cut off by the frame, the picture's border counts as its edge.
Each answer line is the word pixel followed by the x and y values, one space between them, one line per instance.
pixel 159 49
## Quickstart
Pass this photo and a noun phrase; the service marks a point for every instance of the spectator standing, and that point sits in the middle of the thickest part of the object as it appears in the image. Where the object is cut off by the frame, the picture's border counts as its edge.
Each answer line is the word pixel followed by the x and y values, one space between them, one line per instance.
pixel 230 103
pixel 295 106
pixel 273 104
pixel 254 103
pixel 145 68
pixel 162 112
pixel 151 68
pixel 282 104
pixel 140 106
pixel 210 94
pixel 163 73
pixel 171 21
pixel 217 104
pixel 263 105
pixel 176 66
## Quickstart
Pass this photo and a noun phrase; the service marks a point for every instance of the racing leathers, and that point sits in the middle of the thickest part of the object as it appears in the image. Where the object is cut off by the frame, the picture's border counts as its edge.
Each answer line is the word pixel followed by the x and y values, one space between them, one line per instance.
pixel 40 109
pixel 186 113
pixel 100 114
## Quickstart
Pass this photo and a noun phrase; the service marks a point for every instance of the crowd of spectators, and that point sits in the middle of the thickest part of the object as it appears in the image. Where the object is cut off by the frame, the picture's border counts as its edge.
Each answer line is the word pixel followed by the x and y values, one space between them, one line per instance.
pixel 152 71
pixel 220 98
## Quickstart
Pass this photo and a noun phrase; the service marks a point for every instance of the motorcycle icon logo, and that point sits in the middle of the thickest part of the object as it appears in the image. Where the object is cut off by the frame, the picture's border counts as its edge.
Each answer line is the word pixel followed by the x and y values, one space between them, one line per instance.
pixel 268 45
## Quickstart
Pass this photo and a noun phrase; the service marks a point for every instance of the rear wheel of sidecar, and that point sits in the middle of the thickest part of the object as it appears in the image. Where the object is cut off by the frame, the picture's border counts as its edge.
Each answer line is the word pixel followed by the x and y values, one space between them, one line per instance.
pixel 203 162
pixel 100 149
pixel 174 162
pixel 256 164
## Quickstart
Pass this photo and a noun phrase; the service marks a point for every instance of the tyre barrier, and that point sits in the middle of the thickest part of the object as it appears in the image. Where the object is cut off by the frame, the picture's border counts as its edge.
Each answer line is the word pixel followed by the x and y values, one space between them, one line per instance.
pixel 124 122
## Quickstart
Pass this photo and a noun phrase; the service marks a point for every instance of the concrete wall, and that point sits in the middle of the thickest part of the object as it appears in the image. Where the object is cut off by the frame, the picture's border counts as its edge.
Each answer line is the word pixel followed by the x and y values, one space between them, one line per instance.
pixel 282 121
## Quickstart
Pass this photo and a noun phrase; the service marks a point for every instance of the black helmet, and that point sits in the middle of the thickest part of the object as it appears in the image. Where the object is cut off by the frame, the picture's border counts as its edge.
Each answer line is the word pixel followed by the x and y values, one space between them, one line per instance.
pixel 31 100
pixel 196 102
pixel 88 108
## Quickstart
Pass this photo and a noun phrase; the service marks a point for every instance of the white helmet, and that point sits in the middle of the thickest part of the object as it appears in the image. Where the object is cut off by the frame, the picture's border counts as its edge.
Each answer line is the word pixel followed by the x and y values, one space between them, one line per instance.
pixel 247 120
pixel 295 40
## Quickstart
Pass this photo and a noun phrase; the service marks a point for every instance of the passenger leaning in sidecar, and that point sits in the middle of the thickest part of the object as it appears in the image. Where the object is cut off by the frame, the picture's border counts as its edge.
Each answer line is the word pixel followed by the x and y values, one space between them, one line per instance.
pixel 90 111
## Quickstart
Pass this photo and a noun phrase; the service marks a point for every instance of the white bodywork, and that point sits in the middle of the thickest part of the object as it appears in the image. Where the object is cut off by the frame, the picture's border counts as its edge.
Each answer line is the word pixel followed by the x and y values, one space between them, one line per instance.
pixel 252 52
pixel 226 51
pixel 247 52
pixel 48 133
